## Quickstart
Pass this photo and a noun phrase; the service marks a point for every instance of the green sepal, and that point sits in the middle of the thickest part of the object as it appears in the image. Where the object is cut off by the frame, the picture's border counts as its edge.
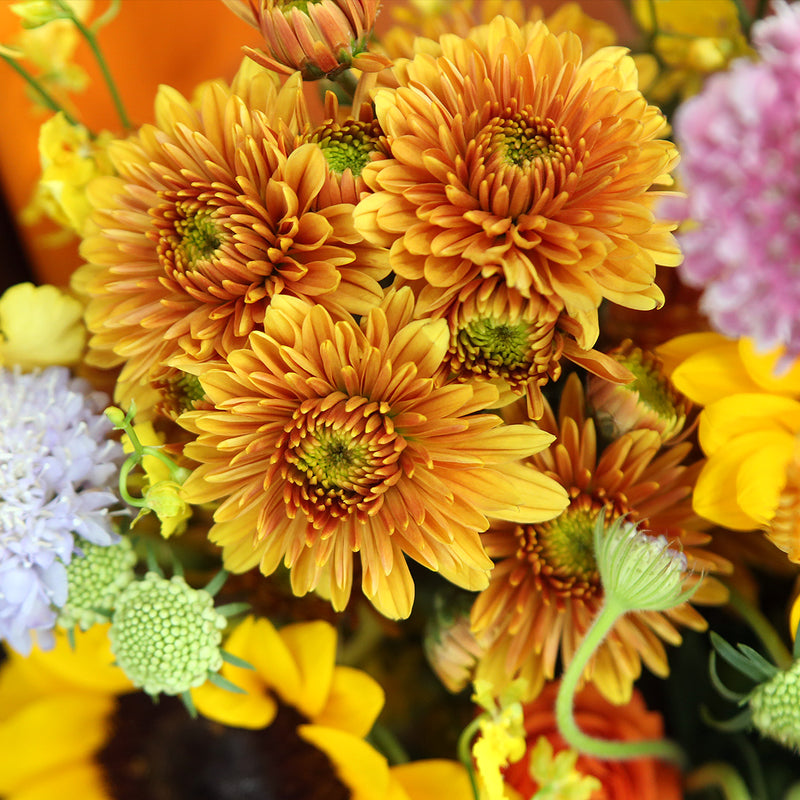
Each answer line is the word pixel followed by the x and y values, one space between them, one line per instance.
pixel 224 683
pixel 232 609
pixel 217 582
pixel 745 659
pixel 186 699
pixel 722 689
pixel 230 658
pixel 740 722
pixel 71 637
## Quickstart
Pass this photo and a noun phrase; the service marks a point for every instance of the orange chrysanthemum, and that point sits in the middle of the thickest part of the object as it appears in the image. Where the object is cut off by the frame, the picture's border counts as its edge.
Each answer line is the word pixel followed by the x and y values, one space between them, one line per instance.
pixel 210 217
pixel 545 588
pixel 518 342
pixel 514 156
pixel 330 439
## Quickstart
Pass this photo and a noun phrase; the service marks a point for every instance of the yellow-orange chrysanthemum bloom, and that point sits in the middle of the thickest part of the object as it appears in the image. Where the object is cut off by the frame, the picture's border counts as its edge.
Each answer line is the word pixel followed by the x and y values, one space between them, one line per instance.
pixel 513 155
pixel 545 588
pixel 330 439
pixel 210 217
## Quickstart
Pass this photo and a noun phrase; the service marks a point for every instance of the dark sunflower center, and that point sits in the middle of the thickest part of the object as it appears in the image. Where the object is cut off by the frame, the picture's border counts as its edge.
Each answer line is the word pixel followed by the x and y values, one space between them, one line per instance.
pixel 158 752
pixel 522 139
pixel 348 145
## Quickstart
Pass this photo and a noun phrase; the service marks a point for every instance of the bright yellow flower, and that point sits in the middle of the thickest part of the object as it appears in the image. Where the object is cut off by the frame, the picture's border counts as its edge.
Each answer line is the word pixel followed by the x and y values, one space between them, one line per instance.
pixel 71 158
pixel 557 775
pixel 750 431
pixel 40 326
pixel 695 38
pixel 330 707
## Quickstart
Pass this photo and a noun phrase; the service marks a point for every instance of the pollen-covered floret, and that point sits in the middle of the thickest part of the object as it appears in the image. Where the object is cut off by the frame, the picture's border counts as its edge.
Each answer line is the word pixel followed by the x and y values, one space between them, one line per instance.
pixel 166 635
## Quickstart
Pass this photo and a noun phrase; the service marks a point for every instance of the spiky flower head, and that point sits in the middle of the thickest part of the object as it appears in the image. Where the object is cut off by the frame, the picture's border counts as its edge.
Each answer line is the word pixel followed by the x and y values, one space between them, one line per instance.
pixel 638 572
pixel 96 576
pixel 165 635
pixel 56 466
pixel 649 401
pixel 318 38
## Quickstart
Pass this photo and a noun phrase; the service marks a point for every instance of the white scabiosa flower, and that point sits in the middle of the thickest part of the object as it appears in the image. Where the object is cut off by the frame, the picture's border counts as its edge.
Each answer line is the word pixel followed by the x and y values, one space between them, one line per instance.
pixel 56 466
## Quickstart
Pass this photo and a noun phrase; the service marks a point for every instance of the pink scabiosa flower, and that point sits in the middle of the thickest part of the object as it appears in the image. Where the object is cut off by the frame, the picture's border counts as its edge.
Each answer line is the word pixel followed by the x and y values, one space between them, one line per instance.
pixel 741 169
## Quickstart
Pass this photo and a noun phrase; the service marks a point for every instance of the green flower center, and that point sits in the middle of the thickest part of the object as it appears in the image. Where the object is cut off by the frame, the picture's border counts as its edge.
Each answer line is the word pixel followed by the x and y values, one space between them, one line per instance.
pixel 334 459
pixel 522 139
pixel 199 237
pixel 180 391
pixel 166 635
pixel 497 343
pixel 302 5
pixel 348 145
pixel 650 385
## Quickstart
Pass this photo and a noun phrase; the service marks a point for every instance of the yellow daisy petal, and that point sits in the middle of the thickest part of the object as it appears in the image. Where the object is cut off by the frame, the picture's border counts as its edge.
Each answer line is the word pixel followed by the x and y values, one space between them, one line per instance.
pixel 359 766
pixel 712 374
pixel 762 475
pixel 313 647
pixel 84 781
pixel 432 780
pixel 354 702
pixel 762 370
pixel 739 414
pixel 677 350
pixel 66 729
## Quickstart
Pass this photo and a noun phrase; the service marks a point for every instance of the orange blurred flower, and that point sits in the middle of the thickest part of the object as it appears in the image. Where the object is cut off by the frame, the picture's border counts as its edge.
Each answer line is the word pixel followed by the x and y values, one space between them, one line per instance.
pixel 329 439
pixel 637 779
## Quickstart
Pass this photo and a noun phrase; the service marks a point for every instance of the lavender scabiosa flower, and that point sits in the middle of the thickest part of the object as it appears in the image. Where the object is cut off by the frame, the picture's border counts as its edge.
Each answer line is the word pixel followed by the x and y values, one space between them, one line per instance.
pixel 56 464
pixel 740 142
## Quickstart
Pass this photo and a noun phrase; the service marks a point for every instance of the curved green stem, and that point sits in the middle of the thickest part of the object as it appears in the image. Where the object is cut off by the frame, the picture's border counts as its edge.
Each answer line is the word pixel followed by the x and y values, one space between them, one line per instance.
pixel 130 462
pixel 388 744
pixel 47 99
pixel 719 775
pixel 762 628
pixel 565 712
pixel 91 40
pixel 464 751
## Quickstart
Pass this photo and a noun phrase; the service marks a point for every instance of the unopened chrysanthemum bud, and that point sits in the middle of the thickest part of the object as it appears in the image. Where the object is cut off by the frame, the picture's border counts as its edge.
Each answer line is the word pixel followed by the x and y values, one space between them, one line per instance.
pixel 320 38
pixel 35 13
pixel 638 571
pixel 165 635
pixel 775 707
pixel 95 581
pixel 649 401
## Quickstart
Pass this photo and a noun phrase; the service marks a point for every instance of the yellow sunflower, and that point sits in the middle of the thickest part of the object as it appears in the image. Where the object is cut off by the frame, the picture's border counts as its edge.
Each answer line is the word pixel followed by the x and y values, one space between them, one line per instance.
pixel 70 726
pixel 750 431
pixel 330 439
pixel 513 156
pixel 209 218
pixel 545 589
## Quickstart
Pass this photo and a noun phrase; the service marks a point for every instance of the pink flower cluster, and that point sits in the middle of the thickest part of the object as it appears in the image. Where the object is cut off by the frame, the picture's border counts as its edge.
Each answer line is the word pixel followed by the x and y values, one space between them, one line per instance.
pixel 740 143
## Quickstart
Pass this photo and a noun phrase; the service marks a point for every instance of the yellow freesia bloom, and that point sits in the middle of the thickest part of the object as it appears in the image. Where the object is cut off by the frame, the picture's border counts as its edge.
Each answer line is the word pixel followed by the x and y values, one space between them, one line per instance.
pixel 40 326
pixel 750 431
pixel 71 158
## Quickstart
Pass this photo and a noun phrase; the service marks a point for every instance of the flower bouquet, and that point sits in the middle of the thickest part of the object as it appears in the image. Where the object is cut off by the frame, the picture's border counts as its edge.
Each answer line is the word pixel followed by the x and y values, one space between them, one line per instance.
pixel 410 423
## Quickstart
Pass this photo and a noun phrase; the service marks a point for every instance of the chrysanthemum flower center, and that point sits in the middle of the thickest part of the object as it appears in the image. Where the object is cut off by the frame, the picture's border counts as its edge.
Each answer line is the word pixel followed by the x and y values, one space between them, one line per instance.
pixel 339 454
pixel 561 551
pixel 348 145
pixel 651 386
pixel 498 343
pixel 524 138
pixel 189 235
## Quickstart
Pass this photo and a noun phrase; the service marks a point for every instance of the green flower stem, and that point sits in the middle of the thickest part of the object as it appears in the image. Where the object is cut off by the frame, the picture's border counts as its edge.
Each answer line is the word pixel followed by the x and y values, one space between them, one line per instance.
pixel 721 776
pixel 608 615
pixel 91 40
pixel 47 99
pixel 388 744
pixel 130 462
pixel 761 626
pixel 464 752
pixel 347 81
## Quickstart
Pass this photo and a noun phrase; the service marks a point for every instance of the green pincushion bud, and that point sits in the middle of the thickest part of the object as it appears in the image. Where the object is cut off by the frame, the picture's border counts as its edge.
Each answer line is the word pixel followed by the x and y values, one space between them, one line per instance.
pixel 166 635
pixel 95 581
pixel 775 707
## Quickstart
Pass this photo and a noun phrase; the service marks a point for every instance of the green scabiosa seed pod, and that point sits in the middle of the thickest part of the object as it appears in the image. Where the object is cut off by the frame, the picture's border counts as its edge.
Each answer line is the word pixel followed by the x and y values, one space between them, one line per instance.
pixel 165 635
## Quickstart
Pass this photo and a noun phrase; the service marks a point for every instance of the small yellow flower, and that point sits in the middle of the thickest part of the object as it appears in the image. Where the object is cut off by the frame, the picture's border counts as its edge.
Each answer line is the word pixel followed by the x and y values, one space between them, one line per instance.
pixel 557 776
pixel 70 160
pixel 502 736
pixel 40 326
pixel 162 493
